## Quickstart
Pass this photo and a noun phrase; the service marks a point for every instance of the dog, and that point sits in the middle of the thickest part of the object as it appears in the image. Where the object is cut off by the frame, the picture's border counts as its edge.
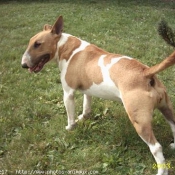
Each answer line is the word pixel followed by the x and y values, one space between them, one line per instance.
pixel 96 72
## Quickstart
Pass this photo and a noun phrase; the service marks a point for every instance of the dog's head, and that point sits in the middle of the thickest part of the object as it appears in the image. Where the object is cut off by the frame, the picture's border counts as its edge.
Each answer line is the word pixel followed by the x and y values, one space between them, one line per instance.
pixel 42 47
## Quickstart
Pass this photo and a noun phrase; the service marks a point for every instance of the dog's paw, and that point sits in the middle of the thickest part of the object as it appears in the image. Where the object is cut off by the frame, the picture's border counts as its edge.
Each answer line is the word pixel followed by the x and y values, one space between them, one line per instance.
pixel 71 127
pixel 172 145
pixel 83 117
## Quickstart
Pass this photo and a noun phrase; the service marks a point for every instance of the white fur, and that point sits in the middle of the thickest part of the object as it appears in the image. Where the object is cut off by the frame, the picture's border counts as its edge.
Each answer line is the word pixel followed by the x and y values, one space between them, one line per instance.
pixel 63 39
pixel 26 58
pixel 156 150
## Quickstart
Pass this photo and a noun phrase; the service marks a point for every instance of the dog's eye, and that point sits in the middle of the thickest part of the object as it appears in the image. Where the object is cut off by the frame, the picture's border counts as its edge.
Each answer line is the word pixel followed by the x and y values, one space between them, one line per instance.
pixel 36 44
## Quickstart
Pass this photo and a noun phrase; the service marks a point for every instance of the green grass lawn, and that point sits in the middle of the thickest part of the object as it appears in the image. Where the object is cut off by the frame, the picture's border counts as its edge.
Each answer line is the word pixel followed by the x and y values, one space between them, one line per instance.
pixel 32 113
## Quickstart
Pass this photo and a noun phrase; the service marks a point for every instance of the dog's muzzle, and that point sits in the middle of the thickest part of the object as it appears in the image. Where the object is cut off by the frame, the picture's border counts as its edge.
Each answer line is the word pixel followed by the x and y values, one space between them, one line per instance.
pixel 38 65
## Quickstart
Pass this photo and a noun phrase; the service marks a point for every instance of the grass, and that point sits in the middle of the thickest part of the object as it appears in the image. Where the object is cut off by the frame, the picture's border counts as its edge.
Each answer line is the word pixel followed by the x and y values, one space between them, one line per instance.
pixel 32 113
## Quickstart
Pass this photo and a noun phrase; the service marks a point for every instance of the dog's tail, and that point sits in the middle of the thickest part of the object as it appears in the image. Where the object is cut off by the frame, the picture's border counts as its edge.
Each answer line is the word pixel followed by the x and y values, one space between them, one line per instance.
pixel 169 36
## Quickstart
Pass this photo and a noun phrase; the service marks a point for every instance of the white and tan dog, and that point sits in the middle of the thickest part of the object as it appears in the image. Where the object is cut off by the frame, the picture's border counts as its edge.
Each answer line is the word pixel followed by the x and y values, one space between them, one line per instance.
pixel 95 72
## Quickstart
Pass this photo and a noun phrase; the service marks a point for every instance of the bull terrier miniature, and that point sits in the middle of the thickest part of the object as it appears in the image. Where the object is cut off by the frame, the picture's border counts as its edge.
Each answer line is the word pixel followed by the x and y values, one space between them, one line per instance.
pixel 95 72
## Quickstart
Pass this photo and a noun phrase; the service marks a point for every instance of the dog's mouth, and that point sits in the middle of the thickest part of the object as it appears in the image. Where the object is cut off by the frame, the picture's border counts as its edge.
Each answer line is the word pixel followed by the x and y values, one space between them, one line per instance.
pixel 42 61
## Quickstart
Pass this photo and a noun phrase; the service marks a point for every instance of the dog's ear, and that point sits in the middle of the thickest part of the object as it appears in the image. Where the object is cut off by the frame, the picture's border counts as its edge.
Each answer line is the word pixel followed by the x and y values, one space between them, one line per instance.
pixel 58 26
pixel 47 27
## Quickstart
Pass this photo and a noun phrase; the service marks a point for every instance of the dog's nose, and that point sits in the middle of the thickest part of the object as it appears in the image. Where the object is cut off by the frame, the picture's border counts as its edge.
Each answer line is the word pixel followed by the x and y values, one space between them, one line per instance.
pixel 24 65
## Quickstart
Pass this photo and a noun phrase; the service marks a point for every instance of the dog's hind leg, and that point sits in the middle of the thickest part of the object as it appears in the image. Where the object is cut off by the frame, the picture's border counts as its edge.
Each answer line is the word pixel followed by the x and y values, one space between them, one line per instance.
pixel 86 107
pixel 140 112
pixel 167 111
pixel 145 131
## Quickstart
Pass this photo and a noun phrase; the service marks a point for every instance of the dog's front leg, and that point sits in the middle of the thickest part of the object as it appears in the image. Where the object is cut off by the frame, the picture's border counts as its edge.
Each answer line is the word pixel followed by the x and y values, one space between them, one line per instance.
pixel 70 109
pixel 86 108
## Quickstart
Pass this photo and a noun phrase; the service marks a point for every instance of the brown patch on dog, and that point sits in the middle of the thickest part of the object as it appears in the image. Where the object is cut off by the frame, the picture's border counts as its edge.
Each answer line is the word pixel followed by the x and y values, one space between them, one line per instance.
pixel 129 72
pixel 83 69
pixel 67 49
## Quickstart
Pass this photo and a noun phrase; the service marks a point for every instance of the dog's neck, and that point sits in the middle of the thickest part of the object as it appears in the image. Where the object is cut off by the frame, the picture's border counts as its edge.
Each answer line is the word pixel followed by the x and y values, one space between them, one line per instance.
pixel 63 39
pixel 67 46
